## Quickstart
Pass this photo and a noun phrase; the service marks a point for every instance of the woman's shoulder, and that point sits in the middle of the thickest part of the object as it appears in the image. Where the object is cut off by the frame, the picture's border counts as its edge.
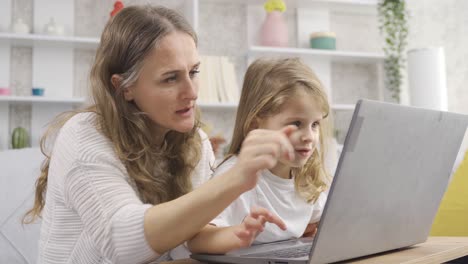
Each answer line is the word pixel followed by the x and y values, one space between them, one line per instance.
pixel 203 135
pixel 81 133
pixel 81 121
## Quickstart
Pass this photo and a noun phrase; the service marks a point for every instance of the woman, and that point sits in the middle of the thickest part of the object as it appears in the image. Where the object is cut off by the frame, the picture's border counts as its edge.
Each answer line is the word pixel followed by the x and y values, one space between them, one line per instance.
pixel 117 185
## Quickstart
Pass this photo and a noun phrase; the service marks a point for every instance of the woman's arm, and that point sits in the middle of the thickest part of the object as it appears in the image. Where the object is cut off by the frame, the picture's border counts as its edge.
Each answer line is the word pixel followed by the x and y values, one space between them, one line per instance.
pixel 169 224
pixel 219 240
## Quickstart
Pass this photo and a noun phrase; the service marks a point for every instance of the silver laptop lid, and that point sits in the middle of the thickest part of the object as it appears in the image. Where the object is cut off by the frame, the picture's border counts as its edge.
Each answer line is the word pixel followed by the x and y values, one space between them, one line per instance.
pixel 389 182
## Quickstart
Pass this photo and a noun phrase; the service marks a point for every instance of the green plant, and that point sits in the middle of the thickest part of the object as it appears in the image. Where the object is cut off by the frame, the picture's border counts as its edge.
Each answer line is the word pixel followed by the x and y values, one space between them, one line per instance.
pixel 19 138
pixel 393 25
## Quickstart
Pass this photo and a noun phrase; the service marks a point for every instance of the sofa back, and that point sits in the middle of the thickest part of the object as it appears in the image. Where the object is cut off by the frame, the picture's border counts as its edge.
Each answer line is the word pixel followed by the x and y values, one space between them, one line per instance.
pixel 19 170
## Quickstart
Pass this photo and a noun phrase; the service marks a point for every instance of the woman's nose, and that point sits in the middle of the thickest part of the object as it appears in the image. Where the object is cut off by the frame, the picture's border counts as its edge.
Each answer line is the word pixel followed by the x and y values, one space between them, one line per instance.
pixel 190 89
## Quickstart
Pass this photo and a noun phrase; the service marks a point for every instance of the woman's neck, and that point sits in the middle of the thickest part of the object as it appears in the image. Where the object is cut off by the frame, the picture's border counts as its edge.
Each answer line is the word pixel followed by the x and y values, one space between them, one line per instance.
pixel 159 134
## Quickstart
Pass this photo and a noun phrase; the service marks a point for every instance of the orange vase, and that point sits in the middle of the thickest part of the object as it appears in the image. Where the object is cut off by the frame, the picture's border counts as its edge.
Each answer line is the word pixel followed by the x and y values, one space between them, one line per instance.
pixel 274 31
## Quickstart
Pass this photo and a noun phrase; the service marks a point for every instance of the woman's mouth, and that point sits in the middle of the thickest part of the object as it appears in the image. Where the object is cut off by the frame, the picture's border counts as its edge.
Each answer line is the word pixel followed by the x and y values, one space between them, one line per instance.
pixel 185 112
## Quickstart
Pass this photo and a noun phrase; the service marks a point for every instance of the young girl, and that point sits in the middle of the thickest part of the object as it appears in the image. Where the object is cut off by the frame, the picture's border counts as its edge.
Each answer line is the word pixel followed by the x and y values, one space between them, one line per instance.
pixel 275 94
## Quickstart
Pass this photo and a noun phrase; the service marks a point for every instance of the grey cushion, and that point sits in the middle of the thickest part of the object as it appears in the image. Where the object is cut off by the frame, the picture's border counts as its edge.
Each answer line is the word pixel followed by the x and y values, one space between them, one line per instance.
pixel 19 170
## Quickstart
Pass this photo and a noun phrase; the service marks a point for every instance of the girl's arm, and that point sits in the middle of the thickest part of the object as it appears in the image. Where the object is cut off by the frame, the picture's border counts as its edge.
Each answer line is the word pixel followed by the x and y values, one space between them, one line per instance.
pixel 219 240
pixel 169 224
pixel 319 205
pixel 311 230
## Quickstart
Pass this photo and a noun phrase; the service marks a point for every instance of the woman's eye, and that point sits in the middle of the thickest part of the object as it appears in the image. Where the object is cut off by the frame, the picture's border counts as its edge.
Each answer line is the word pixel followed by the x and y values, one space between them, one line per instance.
pixel 296 123
pixel 194 73
pixel 171 79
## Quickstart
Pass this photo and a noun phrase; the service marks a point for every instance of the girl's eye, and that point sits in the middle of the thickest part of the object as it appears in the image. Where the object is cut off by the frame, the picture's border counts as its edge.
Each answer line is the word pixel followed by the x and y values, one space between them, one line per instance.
pixel 316 125
pixel 194 73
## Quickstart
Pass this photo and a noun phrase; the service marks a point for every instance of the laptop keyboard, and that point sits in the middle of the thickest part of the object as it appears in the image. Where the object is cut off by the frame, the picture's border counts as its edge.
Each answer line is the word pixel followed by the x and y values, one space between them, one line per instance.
pixel 296 252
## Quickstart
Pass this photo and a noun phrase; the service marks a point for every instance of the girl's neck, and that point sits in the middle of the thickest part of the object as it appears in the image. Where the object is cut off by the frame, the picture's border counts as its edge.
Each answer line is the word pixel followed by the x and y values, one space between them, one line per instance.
pixel 282 171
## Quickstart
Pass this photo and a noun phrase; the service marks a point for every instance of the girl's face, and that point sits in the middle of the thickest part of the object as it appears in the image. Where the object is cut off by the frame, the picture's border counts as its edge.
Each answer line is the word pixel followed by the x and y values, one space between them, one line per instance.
pixel 300 110
pixel 167 87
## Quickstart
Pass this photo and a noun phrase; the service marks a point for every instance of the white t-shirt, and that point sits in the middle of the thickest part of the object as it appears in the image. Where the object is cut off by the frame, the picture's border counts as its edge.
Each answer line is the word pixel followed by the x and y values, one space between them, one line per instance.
pixel 279 197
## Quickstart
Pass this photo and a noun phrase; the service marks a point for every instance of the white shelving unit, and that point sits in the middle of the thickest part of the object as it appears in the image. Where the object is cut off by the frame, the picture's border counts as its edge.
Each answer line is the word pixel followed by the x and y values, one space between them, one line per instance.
pixel 53 56
pixel 315 16
pixel 53 59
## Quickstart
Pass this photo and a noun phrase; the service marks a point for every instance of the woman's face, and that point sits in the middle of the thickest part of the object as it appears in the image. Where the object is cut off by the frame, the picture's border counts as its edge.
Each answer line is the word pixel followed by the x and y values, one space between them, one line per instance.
pixel 167 87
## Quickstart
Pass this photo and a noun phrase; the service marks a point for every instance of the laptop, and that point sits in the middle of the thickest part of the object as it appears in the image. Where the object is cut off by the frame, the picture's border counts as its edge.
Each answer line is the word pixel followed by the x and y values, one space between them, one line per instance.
pixel 392 173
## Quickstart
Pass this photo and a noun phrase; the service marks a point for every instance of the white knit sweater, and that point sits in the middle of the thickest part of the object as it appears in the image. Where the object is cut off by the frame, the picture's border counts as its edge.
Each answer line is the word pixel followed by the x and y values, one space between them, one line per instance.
pixel 93 213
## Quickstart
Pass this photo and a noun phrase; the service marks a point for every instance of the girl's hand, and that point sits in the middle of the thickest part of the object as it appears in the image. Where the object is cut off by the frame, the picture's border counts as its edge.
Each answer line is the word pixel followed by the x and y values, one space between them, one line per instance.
pixel 253 224
pixel 311 230
pixel 261 150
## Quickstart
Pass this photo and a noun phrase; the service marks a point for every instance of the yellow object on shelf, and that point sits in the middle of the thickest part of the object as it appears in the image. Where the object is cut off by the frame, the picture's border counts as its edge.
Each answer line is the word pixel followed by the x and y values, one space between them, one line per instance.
pixel 275 5
pixel 452 217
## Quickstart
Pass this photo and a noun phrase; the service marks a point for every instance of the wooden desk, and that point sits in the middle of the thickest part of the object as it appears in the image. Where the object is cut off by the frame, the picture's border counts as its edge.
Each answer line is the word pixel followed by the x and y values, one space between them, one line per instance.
pixel 434 250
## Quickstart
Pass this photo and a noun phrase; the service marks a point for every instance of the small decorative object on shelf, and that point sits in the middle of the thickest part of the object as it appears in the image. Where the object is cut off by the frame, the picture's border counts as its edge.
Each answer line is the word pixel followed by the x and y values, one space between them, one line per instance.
pixel 118 5
pixel 53 28
pixel 323 40
pixel 37 91
pixel 20 27
pixel 216 142
pixel 5 91
pixel 19 138
pixel 393 25
pixel 274 30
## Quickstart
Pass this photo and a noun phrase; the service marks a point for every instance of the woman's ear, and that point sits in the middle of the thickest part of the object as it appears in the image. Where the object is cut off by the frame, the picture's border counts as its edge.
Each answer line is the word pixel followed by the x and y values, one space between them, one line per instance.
pixel 116 81
pixel 255 123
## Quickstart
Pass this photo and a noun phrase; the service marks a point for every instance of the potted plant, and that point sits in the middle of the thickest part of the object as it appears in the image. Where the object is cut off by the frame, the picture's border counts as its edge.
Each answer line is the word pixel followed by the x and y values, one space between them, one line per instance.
pixel 274 31
pixel 393 25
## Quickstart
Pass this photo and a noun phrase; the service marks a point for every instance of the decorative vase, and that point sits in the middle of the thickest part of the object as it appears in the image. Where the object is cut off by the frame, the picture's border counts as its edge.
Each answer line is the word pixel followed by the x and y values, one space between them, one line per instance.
pixel 274 31
pixel 20 27
pixel 427 80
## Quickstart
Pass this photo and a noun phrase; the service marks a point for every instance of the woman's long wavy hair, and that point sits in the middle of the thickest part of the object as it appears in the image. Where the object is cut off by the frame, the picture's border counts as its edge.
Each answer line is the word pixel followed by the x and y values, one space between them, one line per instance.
pixel 268 84
pixel 126 41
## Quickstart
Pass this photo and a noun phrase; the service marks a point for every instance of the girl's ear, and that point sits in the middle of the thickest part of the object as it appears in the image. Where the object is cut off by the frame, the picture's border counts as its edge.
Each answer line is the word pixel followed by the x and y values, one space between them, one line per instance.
pixel 116 81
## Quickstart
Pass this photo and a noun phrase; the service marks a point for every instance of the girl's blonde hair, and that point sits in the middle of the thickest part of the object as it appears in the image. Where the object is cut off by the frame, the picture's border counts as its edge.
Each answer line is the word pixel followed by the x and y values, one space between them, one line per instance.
pixel 267 86
pixel 126 41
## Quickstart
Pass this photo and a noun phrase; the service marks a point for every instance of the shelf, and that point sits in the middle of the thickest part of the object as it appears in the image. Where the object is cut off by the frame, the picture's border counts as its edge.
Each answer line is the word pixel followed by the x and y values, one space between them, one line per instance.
pixel 333 55
pixel 31 40
pixel 353 6
pixel 343 107
pixel 218 106
pixel 233 106
pixel 40 99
